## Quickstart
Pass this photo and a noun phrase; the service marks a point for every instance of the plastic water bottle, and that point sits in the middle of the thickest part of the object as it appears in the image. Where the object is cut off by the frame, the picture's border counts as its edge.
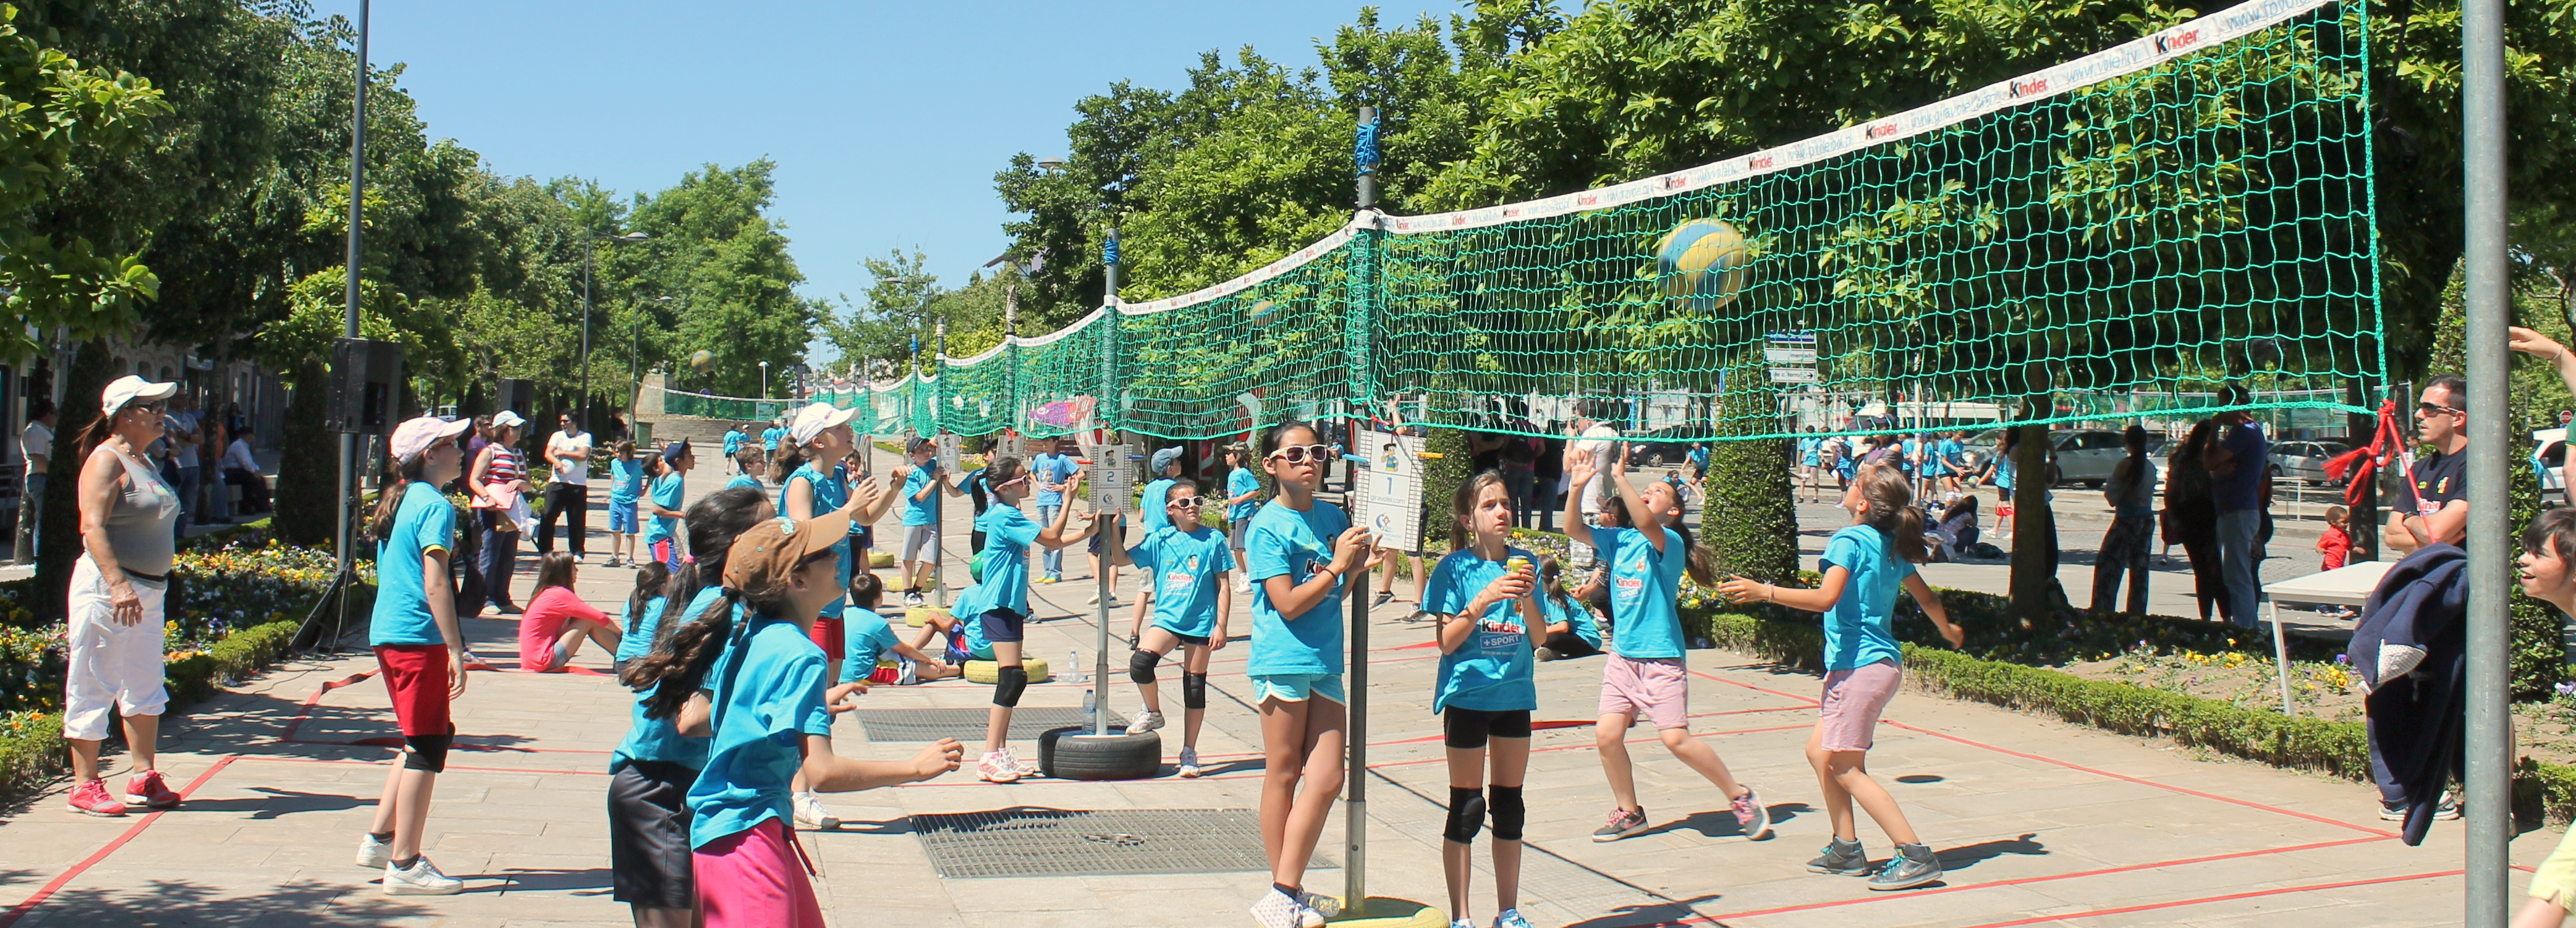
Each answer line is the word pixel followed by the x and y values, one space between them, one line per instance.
pixel 1073 667
pixel 1090 701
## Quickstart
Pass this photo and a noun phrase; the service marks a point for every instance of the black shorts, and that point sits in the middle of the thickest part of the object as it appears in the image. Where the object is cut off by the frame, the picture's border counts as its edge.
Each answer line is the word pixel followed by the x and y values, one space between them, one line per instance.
pixel 1471 728
pixel 1002 626
pixel 1197 640
pixel 648 834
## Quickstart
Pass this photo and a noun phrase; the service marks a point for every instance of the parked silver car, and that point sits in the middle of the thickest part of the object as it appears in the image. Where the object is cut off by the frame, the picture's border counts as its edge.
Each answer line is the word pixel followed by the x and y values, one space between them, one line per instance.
pixel 2305 461
pixel 2087 456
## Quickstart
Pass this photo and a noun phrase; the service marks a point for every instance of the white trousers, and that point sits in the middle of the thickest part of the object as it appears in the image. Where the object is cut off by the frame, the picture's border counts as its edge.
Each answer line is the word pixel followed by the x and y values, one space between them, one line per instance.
pixel 113 667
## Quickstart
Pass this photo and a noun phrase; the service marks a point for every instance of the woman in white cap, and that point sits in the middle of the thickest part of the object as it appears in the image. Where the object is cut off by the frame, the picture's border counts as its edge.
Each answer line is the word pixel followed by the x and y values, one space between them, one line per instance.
pixel 499 477
pixel 127 519
pixel 420 648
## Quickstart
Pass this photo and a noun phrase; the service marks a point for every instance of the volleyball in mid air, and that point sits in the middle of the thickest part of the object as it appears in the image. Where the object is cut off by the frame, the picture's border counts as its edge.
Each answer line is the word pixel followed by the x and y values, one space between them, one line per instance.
pixel 1702 262
pixel 702 360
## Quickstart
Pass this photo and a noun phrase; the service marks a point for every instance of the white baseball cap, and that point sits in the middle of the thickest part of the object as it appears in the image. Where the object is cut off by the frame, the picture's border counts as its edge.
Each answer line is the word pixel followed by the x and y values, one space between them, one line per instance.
pixel 129 388
pixel 415 435
pixel 507 419
pixel 812 420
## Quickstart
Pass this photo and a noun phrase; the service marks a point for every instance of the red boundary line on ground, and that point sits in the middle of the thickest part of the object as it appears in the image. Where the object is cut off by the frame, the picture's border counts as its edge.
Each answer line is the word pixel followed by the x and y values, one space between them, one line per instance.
pixel 2226 898
pixel 2021 881
pixel 47 891
pixel 371 763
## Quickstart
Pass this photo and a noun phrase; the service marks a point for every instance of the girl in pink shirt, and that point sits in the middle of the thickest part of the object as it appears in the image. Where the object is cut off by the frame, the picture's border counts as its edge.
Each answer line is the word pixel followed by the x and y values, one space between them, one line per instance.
pixel 556 621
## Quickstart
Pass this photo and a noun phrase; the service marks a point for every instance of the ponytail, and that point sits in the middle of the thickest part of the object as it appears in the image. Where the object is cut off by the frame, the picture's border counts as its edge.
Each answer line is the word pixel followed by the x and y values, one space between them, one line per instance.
pixel 1891 511
pixel 396 482
pixel 649 580
pixel 790 457
pixel 678 665
pixel 682 652
pixel 1701 563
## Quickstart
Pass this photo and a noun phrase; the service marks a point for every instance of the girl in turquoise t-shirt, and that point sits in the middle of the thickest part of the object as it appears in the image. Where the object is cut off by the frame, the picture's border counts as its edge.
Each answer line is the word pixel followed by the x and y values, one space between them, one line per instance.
pixel 625 488
pixel 1480 593
pixel 1572 629
pixel 1302 552
pixel 1644 674
pixel 1864 566
pixel 1184 567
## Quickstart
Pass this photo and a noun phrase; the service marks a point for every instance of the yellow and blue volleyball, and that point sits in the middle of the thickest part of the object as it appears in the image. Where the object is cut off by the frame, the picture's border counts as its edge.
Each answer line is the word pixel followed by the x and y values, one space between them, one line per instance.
pixel 1701 262
pixel 702 360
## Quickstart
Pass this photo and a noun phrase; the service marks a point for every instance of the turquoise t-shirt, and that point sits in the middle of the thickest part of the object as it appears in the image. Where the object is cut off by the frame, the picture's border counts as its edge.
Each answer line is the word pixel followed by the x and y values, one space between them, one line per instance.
pixel 1008 533
pixel 667 491
pixel 1240 482
pixel 625 480
pixel 1950 451
pixel 1578 619
pixel 743 482
pixel 761 720
pixel 733 443
pixel 1285 542
pixel 1186 567
pixel 868 636
pixel 639 640
pixel 1644 590
pixel 1856 628
pixel 925 509
pixel 830 494
pixel 769 438
pixel 1150 505
pixel 1051 469
pixel 660 739
pixel 1491 670
pixel 423 522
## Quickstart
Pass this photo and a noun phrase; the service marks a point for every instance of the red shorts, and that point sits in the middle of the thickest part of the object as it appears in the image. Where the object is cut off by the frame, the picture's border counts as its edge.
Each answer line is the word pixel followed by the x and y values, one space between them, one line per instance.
pixel 827 636
pixel 416 675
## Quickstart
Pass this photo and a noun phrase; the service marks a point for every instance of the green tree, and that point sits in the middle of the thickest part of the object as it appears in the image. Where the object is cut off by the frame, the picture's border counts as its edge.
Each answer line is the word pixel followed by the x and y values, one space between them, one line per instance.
pixel 715 249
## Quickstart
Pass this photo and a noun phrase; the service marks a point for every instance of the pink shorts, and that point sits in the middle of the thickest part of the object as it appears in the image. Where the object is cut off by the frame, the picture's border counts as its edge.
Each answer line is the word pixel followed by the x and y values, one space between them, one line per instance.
pixel 1655 687
pixel 1854 698
pixel 755 879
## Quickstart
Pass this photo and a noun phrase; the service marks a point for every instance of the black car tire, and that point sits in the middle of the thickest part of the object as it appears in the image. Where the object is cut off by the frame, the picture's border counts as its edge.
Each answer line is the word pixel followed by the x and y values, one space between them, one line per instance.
pixel 1073 753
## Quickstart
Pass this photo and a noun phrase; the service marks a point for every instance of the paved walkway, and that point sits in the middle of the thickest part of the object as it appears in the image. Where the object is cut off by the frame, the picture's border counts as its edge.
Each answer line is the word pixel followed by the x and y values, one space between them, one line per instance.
pixel 2038 821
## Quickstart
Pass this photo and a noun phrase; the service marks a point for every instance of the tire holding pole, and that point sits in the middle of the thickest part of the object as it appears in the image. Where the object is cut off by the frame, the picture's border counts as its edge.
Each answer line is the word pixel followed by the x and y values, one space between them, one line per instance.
pixel 2488 786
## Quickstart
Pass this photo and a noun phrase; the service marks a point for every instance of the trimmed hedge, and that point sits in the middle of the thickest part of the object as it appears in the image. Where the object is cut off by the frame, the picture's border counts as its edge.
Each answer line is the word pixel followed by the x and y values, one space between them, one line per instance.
pixel 2340 749
pixel 31 743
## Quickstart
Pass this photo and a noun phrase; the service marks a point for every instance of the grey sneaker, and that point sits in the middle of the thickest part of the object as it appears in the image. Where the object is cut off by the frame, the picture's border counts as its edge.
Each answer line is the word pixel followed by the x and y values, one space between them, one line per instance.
pixel 1750 815
pixel 420 879
pixel 1622 823
pixel 1544 653
pixel 1912 866
pixel 1841 858
pixel 1145 721
pixel 374 854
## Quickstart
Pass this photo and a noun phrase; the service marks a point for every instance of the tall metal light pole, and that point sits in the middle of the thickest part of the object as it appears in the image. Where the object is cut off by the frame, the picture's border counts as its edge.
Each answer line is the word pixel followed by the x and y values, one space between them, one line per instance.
pixel 764 380
pixel 2489 777
pixel 635 360
pixel 586 242
pixel 349 312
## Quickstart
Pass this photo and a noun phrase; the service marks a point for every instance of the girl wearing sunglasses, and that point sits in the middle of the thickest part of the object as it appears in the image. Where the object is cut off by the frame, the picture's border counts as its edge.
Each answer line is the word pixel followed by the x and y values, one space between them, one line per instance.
pixel 1300 549
pixel 1185 567
pixel 996 607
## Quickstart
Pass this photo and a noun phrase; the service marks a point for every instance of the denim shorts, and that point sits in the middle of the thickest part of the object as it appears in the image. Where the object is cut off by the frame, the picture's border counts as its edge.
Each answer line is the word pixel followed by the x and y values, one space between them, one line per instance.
pixel 621 518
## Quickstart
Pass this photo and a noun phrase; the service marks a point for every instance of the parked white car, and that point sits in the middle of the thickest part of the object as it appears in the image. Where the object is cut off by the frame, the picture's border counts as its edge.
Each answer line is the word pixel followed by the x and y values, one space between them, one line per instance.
pixel 2305 461
pixel 2087 456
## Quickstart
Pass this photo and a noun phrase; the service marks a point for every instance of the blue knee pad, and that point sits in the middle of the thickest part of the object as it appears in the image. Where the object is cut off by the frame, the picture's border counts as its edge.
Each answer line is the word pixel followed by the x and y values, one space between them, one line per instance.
pixel 1466 815
pixel 1008 684
pixel 1509 813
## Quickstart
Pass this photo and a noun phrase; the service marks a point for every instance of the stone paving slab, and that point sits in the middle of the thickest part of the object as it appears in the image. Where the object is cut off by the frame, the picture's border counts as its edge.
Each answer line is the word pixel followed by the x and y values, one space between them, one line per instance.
pixel 2037 820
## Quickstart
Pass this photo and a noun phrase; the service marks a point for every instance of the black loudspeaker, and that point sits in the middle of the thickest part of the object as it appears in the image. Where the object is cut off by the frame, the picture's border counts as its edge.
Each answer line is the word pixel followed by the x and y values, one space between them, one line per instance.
pixel 519 396
pixel 366 379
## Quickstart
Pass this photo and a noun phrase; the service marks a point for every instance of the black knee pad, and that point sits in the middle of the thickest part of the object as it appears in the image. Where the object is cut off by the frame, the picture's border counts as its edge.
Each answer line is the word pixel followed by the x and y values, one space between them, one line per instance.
pixel 427 752
pixel 1141 664
pixel 1008 684
pixel 1466 815
pixel 1193 690
pixel 1509 813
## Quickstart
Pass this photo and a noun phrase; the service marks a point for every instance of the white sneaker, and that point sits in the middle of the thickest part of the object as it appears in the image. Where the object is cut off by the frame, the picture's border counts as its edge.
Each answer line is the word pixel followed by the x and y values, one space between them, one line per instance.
pixel 1093 601
pixel 997 767
pixel 420 879
pixel 374 854
pixel 1025 768
pixel 1276 909
pixel 1189 762
pixel 810 812
pixel 1144 722
pixel 1324 907
pixel 1242 586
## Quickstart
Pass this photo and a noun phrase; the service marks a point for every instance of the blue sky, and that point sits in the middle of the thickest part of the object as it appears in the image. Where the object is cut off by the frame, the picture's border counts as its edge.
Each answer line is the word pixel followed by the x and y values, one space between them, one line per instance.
pixel 887 121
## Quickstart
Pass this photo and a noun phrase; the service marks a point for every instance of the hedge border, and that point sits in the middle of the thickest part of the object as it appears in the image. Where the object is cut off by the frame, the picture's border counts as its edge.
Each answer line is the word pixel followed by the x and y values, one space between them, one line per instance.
pixel 2338 749
pixel 33 756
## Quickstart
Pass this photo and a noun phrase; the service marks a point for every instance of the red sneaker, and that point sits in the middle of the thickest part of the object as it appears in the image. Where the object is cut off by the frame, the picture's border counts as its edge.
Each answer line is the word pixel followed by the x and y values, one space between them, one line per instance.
pixel 91 798
pixel 146 789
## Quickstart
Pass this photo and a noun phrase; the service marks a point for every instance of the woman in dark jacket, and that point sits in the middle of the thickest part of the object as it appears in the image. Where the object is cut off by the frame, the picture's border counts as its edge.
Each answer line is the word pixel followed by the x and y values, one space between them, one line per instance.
pixel 2191 519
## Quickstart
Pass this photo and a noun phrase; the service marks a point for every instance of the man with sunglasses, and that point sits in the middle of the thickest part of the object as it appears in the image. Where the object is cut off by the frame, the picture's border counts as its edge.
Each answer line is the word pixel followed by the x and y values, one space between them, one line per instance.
pixel 2434 506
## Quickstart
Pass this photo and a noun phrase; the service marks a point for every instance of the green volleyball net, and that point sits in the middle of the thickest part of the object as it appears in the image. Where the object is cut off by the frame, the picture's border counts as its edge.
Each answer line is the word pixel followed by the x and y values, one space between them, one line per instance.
pixel 2115 236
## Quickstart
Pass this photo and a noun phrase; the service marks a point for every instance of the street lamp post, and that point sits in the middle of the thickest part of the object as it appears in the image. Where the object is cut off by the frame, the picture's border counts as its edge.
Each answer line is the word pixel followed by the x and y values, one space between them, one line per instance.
pixel 635 359
pixel 586 242
pixel 764 380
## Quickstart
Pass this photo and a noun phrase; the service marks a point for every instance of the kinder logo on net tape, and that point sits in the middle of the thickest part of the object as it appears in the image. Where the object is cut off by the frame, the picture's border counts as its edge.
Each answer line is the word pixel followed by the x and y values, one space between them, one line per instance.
pixel 2126 58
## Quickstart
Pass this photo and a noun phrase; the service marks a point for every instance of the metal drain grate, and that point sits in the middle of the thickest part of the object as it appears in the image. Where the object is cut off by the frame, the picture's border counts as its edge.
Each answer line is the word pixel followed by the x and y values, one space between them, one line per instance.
pixel 1071 842
pixel 967 725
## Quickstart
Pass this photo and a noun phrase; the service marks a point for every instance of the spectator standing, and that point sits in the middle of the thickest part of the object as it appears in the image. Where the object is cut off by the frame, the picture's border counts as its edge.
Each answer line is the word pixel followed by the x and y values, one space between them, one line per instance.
pixel 2239 464
pixel 36 444
pixel 2191 519
pixel 498 481
pixel 2131 492
pixel 2335 543
pixel 2434 504
pixel 114 642
pixel 567 457
pixel 1050 471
